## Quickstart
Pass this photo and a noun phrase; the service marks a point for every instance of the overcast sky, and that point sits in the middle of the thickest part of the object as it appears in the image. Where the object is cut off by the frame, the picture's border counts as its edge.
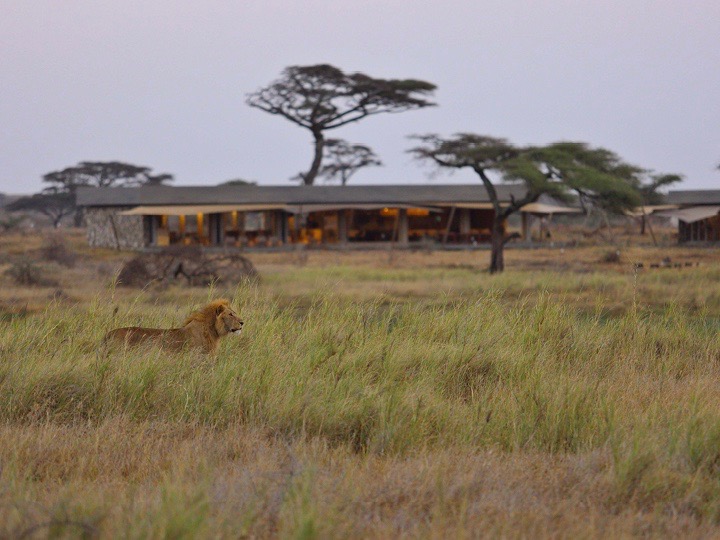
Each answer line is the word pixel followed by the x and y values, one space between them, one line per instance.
pixel 162 83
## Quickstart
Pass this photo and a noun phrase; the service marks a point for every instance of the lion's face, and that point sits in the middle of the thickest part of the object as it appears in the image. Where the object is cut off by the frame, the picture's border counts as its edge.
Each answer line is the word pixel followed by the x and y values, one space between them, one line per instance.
pixel 227 322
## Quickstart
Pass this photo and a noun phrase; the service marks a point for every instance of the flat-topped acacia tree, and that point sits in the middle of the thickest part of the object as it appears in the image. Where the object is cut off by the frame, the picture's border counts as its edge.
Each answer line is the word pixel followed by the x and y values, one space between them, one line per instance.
pixel 98 174
pixel 560 170
pixel 323 97
pixel 343 160
pixel 105 174
pixel 53 204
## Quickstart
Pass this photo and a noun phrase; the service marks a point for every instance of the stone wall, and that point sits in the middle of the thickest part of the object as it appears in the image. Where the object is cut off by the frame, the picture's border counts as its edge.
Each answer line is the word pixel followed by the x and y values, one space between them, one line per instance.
pixel 107 229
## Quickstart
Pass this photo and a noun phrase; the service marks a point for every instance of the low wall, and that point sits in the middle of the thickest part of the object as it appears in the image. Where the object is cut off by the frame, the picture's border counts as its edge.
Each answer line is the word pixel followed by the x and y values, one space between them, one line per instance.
pixel 107 229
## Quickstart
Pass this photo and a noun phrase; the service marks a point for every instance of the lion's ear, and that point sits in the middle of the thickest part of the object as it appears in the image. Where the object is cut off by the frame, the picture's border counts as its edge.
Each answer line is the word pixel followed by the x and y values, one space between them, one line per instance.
pixel 219 309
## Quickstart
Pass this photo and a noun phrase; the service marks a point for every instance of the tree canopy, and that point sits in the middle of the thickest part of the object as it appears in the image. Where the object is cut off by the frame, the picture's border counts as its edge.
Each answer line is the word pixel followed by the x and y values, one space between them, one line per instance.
pixel 238 182
pixel 598 177
pixel 322 97
pixel 343 159
pixel 55 205
pixel 104 174
pixel 649 188
pixel 595 175
pixel 58 199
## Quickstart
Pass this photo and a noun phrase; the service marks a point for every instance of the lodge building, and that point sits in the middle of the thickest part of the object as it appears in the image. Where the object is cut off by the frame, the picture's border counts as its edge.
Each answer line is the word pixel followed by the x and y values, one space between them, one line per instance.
pixel 269 216
pixel 697 213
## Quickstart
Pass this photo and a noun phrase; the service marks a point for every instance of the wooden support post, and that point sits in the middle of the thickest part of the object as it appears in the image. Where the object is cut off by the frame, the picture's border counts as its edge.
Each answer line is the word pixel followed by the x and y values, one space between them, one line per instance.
pixel 465 223
pixel 151 226
pixel 342 225
pixel 200 227
pixel 402 226
pixel 526 226
pixel 216 229
pixel 283 220
pixel 181 227
pixel 449 224
pixel 646 217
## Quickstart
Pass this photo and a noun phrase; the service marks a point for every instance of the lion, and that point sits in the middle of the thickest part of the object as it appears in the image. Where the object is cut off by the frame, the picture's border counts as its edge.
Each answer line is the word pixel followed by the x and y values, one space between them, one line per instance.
pixel 201 330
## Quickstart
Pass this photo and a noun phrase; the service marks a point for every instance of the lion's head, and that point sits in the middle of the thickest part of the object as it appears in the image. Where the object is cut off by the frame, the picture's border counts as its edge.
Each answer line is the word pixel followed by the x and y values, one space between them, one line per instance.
pixel 227 321
pixel 219 316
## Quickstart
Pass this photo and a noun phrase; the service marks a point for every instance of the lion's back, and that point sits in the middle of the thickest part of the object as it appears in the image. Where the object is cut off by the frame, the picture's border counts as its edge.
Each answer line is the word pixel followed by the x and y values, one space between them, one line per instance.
pixel 132 336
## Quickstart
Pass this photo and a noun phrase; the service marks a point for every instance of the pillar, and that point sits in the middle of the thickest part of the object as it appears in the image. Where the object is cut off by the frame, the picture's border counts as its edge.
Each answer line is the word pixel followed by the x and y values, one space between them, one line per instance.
pixel 151 226
pixel 282 226
pixel 526 223
pixel 402 226
pixel 342 224
pixel 464 223
pixel 216 229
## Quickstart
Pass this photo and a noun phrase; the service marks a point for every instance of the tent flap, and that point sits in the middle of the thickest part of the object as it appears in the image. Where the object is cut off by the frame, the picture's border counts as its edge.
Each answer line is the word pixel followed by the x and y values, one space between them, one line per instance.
pixel 542 208
pixel 650 209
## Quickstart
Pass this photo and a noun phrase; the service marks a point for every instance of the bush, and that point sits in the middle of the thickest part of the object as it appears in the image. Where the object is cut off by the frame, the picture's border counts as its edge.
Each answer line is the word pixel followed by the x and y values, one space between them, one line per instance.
pixel 9 223
pixel 135 273
pixel 198 267
pixel 55 249
pixel 28 273
pixel 611 257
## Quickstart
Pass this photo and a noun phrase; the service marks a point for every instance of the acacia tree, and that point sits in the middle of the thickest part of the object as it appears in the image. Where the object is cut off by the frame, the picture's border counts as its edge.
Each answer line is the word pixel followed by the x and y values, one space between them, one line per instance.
pixel 555 170
pixel 54 205
pixel 104 174
pixel 650 193
pixel 323 97
pixel 598 177
pixel 342 160
pixel 100 174
pixel 593 173
pixel 238 182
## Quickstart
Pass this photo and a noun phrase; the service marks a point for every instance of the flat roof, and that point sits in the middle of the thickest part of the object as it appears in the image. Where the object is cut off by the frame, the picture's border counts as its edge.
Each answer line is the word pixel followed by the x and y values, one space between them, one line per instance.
pixel 412 194
pixel 187 209
pixel 692 213
pixel 695 197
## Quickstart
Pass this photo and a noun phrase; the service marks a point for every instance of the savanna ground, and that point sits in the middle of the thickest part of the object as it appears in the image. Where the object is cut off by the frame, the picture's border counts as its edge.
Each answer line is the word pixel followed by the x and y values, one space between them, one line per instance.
pixel 372 394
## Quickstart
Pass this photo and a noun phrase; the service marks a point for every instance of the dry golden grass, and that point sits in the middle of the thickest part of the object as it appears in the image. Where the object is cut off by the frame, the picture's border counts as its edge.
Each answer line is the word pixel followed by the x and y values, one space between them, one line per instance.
pixel 373 395
pixel 123 478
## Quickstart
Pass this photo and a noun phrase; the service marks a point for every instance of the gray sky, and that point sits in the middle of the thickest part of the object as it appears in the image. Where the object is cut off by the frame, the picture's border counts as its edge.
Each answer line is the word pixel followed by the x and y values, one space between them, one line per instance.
pixel 162 83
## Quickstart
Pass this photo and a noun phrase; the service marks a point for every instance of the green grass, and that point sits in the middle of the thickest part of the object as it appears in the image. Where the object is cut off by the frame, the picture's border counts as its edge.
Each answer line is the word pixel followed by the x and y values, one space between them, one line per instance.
pixel 379 376
pixel 562 367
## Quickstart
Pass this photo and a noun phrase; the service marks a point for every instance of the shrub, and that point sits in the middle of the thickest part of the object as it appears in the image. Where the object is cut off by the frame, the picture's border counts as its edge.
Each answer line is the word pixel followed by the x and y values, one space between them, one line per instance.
pixel 28 273
pixel 198 267
pixel 55 249
pixel 611 256
pixel 135 273
pixel 9 223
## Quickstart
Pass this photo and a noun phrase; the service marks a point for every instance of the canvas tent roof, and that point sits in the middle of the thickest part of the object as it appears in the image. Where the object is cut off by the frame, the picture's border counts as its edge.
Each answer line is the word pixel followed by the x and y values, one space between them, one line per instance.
pixel 693 213
pixel 694 197
pixel 650 209
pixel 544 208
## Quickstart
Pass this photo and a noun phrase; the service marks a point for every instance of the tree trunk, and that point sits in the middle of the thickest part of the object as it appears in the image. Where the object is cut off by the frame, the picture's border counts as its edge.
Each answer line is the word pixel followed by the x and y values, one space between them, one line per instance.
pixel 309 177
pixel 497 242
pixel 642 224
pixel 79 217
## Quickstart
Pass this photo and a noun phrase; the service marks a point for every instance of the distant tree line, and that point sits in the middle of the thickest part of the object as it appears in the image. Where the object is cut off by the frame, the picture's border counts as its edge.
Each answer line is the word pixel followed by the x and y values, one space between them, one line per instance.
pixel 57 200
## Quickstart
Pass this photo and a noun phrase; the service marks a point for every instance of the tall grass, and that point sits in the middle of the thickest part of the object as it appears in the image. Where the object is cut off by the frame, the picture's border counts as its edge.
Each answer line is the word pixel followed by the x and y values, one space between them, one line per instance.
pixel 383 379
